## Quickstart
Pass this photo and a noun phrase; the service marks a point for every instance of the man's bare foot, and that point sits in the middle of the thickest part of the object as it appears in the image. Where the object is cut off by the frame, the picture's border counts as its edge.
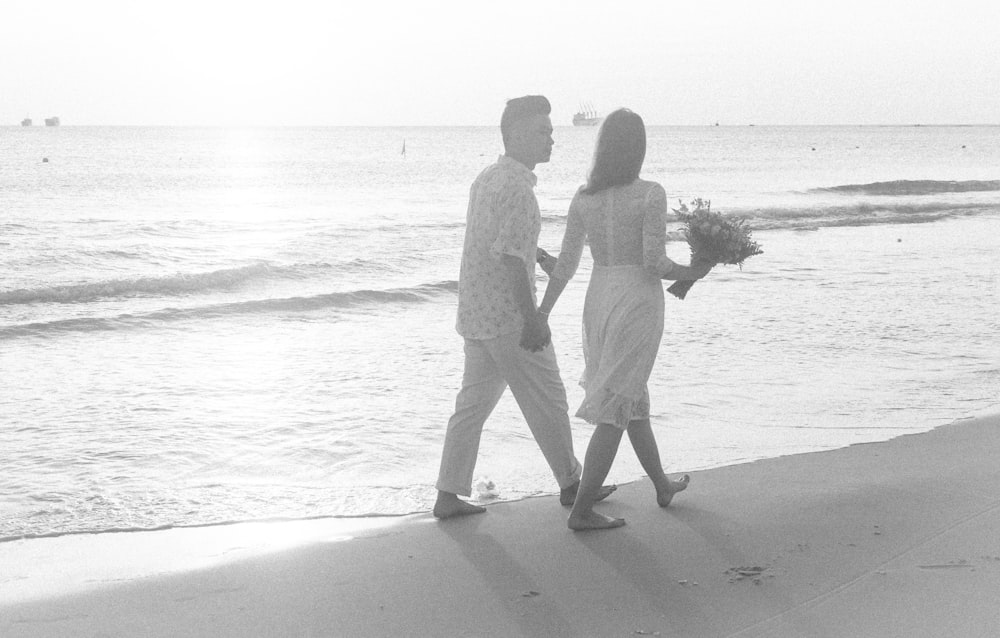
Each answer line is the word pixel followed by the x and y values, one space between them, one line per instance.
pixel 593 520
pixel 665 495
pixel 567 496
pixel 448 505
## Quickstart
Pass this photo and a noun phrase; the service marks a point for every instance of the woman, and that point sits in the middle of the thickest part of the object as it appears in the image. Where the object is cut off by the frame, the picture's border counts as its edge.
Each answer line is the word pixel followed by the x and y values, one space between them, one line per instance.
pixel 624 218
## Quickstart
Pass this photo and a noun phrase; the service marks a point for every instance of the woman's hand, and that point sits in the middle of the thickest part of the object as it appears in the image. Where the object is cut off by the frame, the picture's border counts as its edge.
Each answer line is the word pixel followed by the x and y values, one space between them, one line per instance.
pixel 701 266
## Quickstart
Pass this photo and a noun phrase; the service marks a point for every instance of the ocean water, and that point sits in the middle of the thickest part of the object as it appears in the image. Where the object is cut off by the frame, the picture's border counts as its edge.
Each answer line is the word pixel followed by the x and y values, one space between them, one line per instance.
pixel 203 325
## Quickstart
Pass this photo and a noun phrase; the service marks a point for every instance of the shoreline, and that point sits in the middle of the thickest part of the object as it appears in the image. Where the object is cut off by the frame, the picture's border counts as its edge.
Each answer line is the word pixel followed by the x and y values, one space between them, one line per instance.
pixel 894 538
pixel 172 526
pixel 348 519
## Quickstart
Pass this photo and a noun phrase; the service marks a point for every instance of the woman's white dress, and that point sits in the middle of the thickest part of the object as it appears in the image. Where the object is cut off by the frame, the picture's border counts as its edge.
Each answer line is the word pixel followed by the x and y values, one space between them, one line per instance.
pixel 623 312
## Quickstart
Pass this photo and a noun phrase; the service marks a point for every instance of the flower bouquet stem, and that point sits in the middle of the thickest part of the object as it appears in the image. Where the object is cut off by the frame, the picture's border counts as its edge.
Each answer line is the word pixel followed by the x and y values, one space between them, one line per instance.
pixel 680 287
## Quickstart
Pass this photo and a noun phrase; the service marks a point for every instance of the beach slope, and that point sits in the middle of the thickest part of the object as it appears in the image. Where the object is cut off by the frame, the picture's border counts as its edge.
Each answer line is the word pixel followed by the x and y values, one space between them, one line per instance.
pixel 900 538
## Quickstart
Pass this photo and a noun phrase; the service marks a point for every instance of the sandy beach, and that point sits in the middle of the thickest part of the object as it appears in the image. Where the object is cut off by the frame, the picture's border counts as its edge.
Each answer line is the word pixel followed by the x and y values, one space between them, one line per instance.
pixel 900 538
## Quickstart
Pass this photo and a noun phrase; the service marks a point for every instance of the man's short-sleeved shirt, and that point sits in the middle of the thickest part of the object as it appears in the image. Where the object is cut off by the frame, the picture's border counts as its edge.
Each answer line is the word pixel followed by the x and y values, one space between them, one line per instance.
pixel 503 219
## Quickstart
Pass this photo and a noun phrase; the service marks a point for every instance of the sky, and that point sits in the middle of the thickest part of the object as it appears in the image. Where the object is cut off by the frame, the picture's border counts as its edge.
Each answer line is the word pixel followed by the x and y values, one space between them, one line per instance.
pixel 441 63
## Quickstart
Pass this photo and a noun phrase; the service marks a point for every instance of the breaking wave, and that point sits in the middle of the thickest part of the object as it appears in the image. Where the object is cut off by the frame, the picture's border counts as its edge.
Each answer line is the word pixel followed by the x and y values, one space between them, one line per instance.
pixel 912 187
pixel 172 285
pixel 355 299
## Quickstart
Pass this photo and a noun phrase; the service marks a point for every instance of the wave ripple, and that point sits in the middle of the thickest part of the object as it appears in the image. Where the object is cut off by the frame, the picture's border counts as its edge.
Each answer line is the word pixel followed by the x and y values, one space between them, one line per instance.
pixel 913 187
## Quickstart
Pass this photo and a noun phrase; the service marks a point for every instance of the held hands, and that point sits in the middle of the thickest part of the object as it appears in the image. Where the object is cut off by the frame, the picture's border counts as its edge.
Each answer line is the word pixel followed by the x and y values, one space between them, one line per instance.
pixel 535 335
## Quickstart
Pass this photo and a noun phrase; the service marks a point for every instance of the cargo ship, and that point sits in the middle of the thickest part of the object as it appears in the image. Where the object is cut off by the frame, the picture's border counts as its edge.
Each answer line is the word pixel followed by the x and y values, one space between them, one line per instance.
pixel 586 116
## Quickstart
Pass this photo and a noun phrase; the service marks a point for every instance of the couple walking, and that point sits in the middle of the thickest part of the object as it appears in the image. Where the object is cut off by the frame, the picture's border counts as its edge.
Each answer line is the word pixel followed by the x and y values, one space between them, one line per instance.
pixel 507 337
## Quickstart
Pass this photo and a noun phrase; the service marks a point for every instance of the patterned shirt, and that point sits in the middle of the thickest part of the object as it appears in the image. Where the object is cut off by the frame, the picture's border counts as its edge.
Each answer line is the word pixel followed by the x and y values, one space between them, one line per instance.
pixel 503 219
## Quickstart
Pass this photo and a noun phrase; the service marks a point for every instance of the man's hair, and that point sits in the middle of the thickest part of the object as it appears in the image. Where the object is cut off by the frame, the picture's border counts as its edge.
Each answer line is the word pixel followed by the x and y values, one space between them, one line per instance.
pixel 620 151
pixel 521 108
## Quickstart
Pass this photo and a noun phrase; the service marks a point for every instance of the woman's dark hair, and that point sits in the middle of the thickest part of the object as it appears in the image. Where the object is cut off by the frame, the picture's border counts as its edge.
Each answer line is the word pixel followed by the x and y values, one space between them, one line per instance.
pixel 621 148
pixel 520 108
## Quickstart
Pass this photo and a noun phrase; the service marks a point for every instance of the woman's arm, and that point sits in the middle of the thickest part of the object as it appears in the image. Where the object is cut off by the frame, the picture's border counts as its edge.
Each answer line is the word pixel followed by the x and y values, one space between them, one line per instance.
pixel 696 270
pixel 569 256
pixel 552 293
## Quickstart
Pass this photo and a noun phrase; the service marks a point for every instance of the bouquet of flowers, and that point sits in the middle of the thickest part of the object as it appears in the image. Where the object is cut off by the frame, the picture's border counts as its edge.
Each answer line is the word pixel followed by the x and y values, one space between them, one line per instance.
pixel 712 237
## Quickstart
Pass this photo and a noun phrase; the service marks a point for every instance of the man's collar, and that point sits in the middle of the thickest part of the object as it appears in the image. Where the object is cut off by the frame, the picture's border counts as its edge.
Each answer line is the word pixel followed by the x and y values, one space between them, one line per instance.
pixel 520 168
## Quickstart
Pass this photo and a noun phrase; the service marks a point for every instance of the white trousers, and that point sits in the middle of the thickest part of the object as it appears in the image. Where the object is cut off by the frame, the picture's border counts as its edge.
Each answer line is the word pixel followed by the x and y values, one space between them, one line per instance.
pixel 491 365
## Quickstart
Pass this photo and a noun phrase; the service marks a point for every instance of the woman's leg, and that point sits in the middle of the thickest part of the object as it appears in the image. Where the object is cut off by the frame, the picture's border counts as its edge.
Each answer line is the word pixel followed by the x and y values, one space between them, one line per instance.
pixel 600 455
pixel 640 433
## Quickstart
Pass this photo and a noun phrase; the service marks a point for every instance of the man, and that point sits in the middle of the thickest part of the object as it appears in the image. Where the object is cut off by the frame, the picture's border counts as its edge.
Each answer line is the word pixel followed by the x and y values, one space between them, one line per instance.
pixel 507 341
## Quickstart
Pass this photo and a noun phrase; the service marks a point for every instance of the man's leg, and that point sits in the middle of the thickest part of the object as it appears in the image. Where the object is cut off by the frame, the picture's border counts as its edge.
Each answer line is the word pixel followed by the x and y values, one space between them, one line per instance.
pixel 534 380
pixel 482 387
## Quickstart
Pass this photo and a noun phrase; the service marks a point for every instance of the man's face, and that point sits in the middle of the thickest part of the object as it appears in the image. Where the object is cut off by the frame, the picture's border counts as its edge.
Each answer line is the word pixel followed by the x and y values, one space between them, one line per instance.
pixel 537 138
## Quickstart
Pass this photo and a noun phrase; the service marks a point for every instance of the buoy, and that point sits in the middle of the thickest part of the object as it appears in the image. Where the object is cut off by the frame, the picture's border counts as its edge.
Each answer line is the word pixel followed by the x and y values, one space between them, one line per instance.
pixel 44 160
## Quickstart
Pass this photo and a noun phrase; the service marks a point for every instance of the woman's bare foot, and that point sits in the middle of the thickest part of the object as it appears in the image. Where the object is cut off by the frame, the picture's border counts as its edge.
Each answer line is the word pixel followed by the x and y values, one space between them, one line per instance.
pixel 593 520
pixel 448 505
pixel 567 496
pixel 665 494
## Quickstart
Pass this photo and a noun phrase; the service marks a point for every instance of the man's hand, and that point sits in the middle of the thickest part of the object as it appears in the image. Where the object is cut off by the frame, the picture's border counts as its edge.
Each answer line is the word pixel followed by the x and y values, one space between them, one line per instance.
pixel 535 335
pixel 546 261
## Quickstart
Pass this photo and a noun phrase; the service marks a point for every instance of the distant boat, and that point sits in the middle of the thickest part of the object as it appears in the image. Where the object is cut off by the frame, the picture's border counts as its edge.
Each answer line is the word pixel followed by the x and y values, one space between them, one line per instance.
pixel 52 121
pixel 586 116
pixel 26 121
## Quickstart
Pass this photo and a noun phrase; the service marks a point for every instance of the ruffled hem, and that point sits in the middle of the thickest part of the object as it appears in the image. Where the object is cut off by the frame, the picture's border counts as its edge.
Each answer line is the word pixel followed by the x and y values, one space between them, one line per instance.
pixel 614 409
